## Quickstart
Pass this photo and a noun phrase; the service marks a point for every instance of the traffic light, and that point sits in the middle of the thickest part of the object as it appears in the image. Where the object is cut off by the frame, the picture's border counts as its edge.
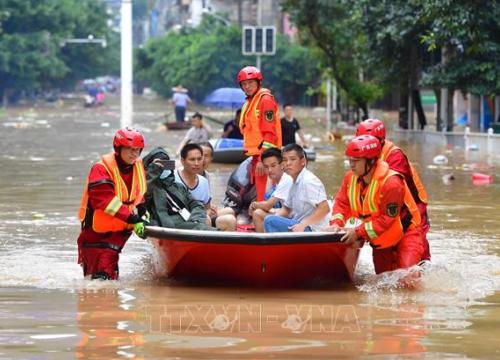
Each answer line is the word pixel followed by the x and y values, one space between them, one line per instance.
pixel 248 40
pixel 270 40
pixel 259 40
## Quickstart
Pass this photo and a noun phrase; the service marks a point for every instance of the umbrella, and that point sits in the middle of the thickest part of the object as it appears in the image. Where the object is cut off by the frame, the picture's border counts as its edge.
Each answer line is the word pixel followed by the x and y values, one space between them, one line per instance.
pixel 229 98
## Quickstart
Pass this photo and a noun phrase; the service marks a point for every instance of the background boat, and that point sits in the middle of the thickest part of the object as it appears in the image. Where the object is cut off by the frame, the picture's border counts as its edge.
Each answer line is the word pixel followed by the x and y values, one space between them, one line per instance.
pixel 230 151
pixel 178 125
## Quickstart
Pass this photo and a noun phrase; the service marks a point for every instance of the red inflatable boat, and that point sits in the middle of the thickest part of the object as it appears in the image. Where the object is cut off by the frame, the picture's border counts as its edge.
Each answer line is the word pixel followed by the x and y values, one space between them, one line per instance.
pixel 254 259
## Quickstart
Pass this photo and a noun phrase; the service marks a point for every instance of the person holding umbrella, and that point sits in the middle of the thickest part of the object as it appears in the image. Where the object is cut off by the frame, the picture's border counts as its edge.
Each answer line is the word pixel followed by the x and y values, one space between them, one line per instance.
pixel 259 124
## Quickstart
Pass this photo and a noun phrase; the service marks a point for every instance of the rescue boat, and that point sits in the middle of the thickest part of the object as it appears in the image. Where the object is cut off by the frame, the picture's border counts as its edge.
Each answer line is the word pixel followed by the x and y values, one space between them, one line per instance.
pixel 230 151
pixel 254 259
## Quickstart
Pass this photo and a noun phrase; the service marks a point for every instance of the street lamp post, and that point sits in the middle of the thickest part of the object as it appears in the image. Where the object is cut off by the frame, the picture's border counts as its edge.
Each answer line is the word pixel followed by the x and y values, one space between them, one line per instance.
pixel 126 63
pixel 89 40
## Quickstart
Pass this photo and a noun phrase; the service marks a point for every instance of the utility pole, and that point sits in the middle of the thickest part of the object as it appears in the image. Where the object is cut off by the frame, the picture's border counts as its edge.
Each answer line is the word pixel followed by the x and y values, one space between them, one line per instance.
pixel 259 23
pixel 126 63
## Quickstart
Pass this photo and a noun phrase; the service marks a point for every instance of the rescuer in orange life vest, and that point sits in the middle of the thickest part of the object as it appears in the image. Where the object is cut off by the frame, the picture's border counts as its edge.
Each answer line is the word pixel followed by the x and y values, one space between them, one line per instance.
pixel 380 198
pixel 398 161
pixel 259 124
pixel 112 206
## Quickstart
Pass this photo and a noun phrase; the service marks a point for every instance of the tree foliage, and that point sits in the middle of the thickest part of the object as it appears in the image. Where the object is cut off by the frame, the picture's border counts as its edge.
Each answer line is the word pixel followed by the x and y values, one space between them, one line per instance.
pixel 31 56
pixel 335 27
pixel 469 31
pixel 399 42
pixel 209 56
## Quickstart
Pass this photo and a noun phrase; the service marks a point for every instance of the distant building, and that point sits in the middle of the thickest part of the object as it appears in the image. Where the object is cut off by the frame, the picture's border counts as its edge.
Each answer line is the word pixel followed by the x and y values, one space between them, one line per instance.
pixel 168 15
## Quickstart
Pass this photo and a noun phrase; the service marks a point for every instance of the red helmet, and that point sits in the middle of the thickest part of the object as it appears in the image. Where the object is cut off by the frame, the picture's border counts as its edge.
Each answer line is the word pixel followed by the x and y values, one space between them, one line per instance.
pixel 249 73
pixel 364 146
pixel 373 127
pixel 129 137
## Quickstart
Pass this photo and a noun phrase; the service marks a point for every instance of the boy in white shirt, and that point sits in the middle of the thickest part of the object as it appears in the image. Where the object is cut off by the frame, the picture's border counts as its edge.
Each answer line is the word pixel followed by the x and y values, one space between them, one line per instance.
pixel 306 208
pixel 278 193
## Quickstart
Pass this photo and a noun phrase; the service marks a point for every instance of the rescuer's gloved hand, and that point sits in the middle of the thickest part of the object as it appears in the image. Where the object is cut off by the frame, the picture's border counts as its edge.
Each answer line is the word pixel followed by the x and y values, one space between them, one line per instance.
pixel 139 230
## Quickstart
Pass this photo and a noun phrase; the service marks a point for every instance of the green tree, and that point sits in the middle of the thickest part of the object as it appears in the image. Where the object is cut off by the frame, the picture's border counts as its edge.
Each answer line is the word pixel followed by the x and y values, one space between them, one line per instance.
pixel 209 57
pixel 292 71
pixel 393 31
pixel 407 39
pixel 470 31
pixel 467 34
pixel 91 59
pixel 335 27
pixel 31 57
pixel 200 59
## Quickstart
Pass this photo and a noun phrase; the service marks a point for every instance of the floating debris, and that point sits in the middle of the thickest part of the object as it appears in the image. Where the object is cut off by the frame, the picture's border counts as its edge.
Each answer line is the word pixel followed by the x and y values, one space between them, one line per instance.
pixel 440 160
pixel 448 178
pixel 481 179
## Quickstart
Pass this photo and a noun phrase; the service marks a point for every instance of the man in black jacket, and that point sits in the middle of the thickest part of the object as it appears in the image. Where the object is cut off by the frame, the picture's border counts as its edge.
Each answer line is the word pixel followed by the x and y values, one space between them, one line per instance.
pixel 169 203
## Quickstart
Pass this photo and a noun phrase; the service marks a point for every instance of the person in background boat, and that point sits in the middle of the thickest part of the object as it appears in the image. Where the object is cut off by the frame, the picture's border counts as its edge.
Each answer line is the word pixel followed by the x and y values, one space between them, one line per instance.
pixel 198 186
pixel 306 207
pixel 232 127
pixel 278 191
pixel 112 206
pixel 398 161
pixel 180 100
pixel 380 198
pixel 290 126
pixel 170 204
pixel 259 124
pixel 199 132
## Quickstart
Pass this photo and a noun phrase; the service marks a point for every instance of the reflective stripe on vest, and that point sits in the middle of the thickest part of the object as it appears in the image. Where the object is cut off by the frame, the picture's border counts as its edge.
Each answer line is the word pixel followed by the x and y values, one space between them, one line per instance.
pixel 104 220
pixel 253 142
pixel 422 194
pixel 370 208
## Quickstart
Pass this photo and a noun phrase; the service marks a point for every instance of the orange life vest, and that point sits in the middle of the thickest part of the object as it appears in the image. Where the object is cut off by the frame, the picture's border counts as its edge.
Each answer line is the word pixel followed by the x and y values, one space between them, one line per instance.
pixel 253 142
pixel 369 209
pixel 422 194
pixel 104 220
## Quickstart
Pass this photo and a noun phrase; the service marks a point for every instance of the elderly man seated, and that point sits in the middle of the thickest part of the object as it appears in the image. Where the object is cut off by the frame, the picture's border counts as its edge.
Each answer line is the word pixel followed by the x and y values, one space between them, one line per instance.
pixel 170 203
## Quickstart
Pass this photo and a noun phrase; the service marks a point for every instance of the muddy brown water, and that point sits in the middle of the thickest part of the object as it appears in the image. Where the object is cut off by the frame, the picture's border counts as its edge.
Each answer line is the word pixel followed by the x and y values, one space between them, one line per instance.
pixel 47 311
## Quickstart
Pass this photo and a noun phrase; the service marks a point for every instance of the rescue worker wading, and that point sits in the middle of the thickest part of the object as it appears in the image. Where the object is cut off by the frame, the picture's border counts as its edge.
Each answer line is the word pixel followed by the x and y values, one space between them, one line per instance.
pixel 398 161
pixel 259 123
pixel 380 198
pixel 112 206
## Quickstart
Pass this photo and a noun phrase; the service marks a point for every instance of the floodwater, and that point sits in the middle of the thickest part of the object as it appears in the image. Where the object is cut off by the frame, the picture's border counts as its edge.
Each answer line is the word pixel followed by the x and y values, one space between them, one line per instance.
pixel 47 311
